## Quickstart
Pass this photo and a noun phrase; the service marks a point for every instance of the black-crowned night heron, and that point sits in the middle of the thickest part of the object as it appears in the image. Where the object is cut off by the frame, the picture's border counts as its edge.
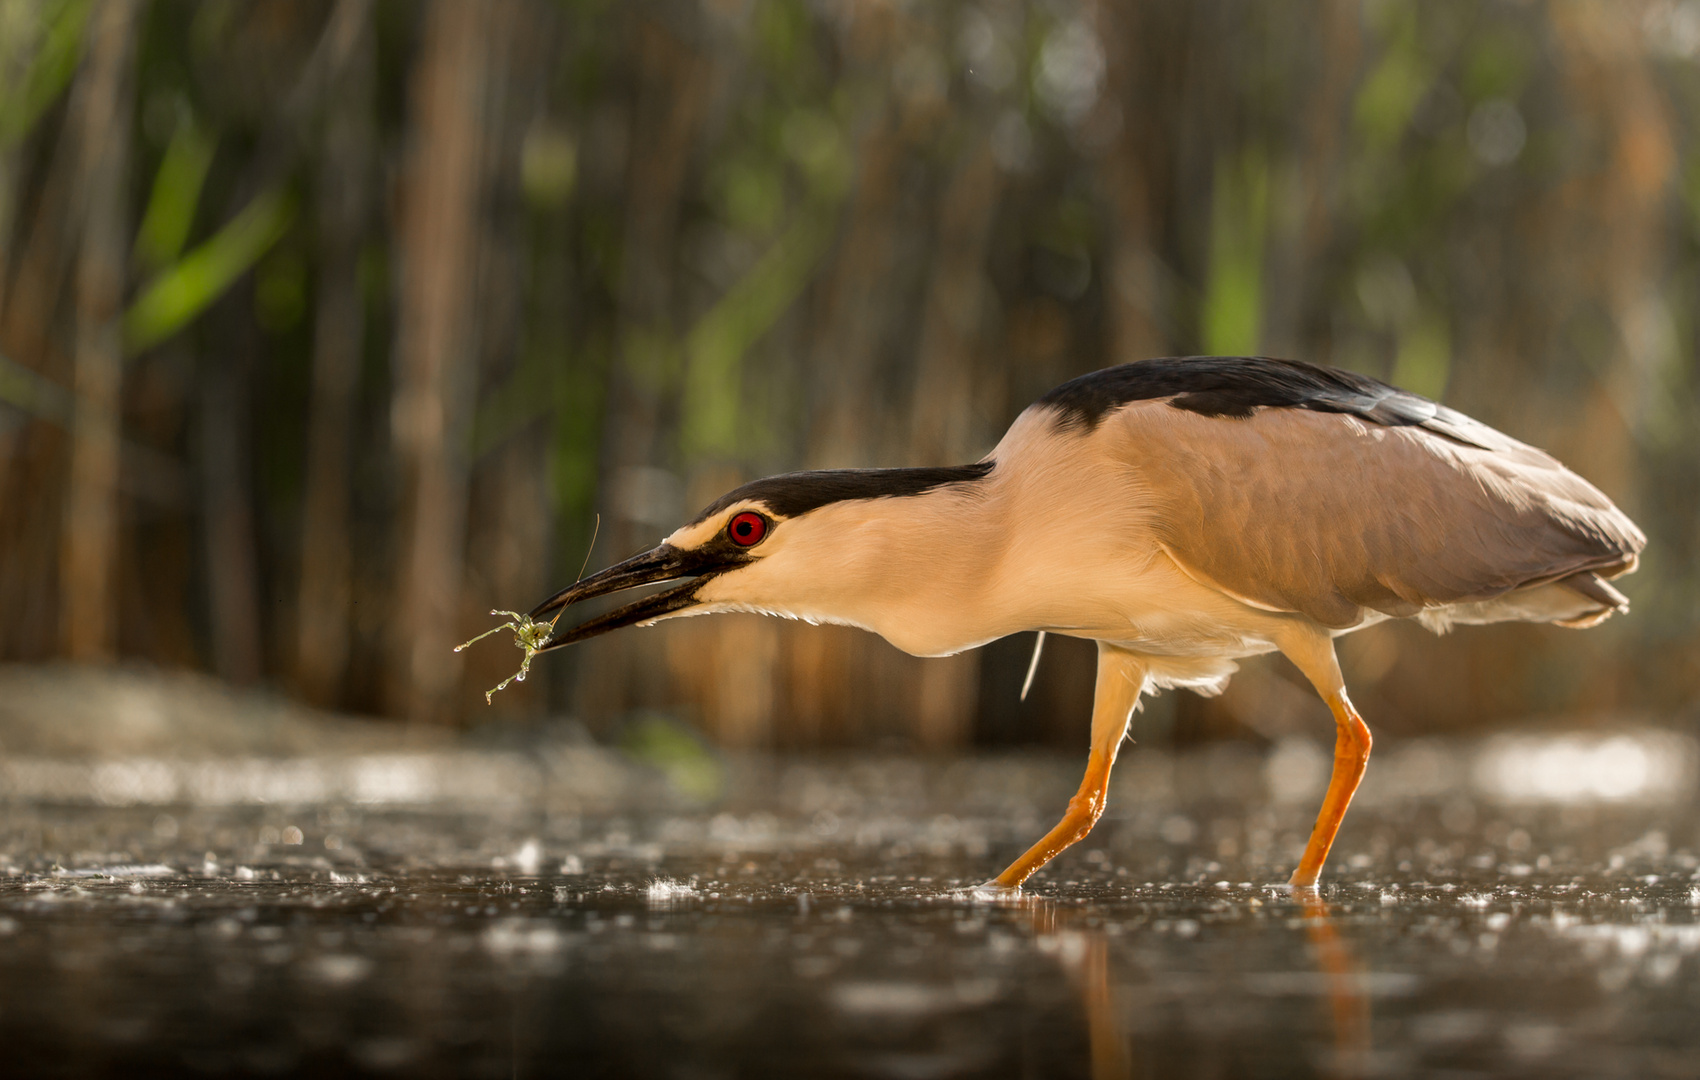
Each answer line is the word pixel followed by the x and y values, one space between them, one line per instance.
pixel 1182 513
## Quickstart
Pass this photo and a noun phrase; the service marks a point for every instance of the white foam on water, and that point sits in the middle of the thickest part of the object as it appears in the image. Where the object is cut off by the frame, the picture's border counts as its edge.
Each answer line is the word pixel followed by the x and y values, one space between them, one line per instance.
pixel 121 870
pixel 667 891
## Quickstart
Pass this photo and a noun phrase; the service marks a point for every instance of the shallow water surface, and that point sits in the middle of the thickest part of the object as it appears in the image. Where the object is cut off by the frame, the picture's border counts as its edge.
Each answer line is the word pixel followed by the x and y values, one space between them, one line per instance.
pixel 814 919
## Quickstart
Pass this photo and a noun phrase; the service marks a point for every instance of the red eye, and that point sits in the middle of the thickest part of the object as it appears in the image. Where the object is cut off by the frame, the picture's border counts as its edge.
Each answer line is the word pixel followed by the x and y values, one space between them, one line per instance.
pixel 747 529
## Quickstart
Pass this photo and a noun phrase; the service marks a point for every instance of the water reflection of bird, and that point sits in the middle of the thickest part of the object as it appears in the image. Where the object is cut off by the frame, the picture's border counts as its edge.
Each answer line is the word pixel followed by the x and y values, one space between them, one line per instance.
pixel 1083 948
pixel 1182 513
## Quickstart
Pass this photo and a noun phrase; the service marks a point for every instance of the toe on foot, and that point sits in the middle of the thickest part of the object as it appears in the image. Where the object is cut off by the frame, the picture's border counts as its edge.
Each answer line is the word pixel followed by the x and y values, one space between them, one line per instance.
pixel 991 892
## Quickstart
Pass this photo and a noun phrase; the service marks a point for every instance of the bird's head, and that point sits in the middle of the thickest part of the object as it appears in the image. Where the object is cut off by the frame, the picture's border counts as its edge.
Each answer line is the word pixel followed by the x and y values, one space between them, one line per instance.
pixel 787 545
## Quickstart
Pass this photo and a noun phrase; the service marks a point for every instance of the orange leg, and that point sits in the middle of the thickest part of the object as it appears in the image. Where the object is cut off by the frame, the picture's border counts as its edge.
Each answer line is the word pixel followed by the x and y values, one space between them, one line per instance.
pixel 1121 677
pixel 1083 812
pixel 1351 755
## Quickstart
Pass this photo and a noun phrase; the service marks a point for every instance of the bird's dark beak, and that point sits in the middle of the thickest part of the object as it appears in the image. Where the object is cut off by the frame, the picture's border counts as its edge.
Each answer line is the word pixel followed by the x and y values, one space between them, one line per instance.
pixel 661 563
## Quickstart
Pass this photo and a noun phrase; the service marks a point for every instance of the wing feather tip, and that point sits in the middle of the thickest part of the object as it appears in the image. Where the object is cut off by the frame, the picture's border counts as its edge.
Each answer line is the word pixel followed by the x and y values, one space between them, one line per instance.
pixel 1589 584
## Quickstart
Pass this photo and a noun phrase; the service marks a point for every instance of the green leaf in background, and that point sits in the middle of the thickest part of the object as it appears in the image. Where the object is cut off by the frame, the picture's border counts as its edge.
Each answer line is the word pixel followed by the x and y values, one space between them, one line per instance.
pixel 1232 319
pixel 1390 95
pixel 749 309
pixel 548 166
pixel 35 394
pixel 188 287
pixel 691 768
pixel 1498 65
pixel 280 290
pixel 50 72
pixel 522 398
pixel 1424 361
pixel 176 193
pixel 751 194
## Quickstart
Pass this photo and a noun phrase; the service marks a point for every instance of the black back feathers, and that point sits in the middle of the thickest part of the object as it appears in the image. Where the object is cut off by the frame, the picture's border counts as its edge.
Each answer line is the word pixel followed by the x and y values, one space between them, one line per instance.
pixel 1232 387
pixel 1237 386
pixel 797 493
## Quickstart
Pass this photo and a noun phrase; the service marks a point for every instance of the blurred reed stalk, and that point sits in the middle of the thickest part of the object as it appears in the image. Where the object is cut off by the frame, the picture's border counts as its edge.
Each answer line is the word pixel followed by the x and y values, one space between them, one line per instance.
pixel 88 612
pixel 345 176
pixel 436 355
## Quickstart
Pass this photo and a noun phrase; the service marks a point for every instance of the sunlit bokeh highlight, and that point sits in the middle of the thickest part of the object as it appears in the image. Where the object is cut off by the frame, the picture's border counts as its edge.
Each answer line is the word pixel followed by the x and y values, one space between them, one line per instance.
pixel 1583 768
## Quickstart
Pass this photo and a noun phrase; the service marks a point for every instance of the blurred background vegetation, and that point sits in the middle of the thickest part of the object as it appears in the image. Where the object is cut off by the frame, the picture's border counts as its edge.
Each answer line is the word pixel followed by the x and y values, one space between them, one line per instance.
pixel 325 327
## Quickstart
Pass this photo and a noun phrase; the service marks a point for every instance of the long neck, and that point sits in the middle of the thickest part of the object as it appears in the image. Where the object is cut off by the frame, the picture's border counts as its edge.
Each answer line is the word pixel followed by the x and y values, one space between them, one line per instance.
pixel 914 569
pixel 1047 540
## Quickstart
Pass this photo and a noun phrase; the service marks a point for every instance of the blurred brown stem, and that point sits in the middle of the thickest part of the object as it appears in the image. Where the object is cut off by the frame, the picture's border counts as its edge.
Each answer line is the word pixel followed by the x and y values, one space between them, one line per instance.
pixel 326 590
pixel 435 353
pixel 88 623
pixel 942 426
pixel 227 509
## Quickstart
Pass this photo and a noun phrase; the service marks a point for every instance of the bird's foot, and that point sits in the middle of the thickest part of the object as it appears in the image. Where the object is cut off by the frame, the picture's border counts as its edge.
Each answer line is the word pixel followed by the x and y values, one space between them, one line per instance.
pixel 991 892
pixel 1300 885
pixel 1304 893
pixel 1297 888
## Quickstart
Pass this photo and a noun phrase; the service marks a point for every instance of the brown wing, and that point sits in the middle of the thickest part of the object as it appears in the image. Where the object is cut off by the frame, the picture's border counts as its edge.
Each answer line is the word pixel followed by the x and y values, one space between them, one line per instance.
pixel 1323 514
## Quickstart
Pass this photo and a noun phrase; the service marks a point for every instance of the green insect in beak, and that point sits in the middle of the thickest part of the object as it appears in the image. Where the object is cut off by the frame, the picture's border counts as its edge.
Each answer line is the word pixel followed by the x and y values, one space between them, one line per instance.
pixel 529 634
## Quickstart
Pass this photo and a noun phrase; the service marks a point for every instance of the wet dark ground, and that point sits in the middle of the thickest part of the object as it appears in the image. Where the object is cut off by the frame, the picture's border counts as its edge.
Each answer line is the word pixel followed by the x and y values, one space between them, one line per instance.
pixel 1502 908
